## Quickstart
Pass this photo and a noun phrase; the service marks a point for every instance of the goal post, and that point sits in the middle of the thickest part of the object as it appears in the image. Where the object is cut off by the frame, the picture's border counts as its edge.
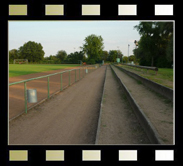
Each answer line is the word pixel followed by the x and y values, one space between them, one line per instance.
pixel 20 61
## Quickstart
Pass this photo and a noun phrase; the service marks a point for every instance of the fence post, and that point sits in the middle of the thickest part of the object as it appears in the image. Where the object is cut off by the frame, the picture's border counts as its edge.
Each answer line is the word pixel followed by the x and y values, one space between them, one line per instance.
pixel 79 74
pixel 83 72
pixel 75 75
pixel 61 82
pixel 69 77
pixel 25 96
pixel 48 88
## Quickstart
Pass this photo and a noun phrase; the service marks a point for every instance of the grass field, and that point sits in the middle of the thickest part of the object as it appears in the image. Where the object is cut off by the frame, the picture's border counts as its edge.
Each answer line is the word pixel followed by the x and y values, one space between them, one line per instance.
pixel 164 76
pixel 23 69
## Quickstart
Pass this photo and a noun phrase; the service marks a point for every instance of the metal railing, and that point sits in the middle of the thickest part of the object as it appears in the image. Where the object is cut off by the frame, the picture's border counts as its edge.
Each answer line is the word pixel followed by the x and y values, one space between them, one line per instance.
pixel 85 69
pixel 142 67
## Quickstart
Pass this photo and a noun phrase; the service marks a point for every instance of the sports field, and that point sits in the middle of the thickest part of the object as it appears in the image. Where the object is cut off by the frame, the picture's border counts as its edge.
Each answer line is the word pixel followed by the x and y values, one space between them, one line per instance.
pixel 24 69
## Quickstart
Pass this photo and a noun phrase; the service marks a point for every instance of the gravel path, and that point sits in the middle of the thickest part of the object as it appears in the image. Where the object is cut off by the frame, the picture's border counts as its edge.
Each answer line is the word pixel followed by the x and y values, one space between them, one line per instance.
pixel 70 117
pixel 157 109
pixel 119 124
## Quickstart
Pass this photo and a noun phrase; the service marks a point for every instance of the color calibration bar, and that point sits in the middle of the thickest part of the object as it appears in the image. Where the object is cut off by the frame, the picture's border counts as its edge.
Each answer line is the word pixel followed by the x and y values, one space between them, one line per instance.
pixel 90 10
pixel 91 155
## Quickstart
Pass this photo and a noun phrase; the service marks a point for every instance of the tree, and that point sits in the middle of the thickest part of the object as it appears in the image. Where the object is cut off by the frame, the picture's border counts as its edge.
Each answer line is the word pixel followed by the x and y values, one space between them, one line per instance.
pixel 156 43
pixel 149 38
pixel 166 32
pixel 91 61
pixel 120 55
pixel 93 47
pixel 132 58
pixel 52 59
pixel 13 54
pixel 32 51
pixel 61 55
pixel 104 55
pixel 75 57
pixel 113 54
pixel 169 50
pixel 125 59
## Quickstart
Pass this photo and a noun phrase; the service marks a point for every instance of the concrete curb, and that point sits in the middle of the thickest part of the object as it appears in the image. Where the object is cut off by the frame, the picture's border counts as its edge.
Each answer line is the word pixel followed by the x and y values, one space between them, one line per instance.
pixel 164 91
pixel 99 119
pixel 144 121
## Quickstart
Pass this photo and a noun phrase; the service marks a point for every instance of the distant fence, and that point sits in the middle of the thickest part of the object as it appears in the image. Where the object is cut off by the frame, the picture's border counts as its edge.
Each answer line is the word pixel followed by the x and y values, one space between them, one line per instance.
pixel 57 81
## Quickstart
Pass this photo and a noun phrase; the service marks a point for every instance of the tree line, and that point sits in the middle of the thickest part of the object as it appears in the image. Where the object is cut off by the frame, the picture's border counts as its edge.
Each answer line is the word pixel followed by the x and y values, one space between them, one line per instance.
pixel 91 52
pixel 155 47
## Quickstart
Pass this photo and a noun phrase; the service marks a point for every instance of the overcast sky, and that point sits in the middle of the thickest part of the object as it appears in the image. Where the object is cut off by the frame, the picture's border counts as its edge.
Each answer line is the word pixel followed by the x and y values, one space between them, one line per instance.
pixel 70 35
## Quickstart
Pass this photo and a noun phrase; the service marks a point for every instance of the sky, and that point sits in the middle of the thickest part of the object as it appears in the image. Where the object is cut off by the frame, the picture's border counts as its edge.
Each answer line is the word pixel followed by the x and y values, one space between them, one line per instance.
pixel 70 35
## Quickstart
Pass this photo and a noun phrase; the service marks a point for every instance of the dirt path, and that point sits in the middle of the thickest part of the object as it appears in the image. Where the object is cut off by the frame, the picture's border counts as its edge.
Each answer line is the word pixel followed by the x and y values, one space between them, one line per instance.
pixel 70 117
pixel 16 92
pixel 157 109
pixel 119 124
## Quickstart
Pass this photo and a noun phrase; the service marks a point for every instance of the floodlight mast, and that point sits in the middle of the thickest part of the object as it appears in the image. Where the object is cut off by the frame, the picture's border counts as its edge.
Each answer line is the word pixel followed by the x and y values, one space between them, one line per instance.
pixel 128 52
pixel 136 43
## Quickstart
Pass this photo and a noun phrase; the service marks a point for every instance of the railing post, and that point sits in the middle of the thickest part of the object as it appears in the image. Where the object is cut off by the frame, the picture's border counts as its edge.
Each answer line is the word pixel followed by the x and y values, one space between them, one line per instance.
pixel 75 75
pixel 61 82
pixel 79 74
pixel 48 88
pixel 69 77
pixel 25 96
pixel 83 72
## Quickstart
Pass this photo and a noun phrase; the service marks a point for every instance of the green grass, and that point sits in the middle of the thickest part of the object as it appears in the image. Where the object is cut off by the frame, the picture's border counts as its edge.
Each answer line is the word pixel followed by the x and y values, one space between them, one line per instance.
pixel 164 76
pixel 24 69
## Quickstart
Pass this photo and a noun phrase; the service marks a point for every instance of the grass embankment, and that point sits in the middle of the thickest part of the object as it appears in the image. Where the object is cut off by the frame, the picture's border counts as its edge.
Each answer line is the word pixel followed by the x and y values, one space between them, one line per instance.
pixel 24 69
pixel 163 77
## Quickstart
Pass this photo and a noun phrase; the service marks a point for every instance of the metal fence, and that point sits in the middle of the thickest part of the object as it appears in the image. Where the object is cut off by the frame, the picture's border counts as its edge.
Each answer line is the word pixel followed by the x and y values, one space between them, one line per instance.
pixel 142 67
pixel 46 86
pixel 138 66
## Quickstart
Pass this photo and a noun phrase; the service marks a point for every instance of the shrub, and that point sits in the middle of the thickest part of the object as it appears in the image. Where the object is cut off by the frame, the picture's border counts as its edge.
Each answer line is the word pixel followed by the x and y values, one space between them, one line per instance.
pixel 92 61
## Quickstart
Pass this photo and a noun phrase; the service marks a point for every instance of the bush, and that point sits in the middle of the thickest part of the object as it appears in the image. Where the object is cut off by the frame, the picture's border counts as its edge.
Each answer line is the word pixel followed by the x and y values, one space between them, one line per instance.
pixel 91 61
pixel 10 61
pixel 144 62
pixel 162 62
